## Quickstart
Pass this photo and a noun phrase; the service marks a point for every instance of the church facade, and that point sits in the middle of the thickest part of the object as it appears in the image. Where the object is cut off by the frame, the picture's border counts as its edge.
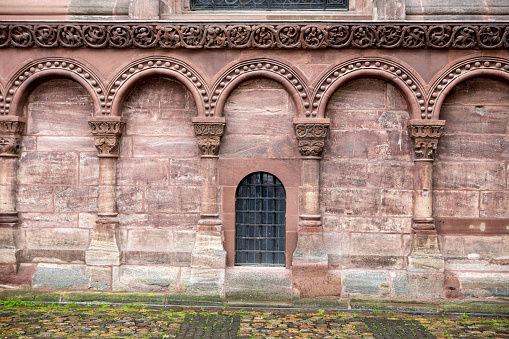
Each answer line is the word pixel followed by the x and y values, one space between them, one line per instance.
pixel 354 150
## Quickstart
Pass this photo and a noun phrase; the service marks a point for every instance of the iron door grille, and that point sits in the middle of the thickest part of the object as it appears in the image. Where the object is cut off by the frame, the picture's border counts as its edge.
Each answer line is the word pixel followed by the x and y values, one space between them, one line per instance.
pixel 260 221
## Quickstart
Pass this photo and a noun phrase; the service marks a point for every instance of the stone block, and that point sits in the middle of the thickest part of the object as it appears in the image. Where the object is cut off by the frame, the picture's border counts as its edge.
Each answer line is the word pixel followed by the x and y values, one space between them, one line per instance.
pixel 469 175
pixel 208 281
pixel 385 224
pixel 395 99
pixel 177 199
pixel 257 102
pixel 479 118
pixel 173 147
pixel 149 246
pixel 63 144
pixel 183 246
pixel 359 94
pixel 495 204
pixel 459 246
pixel 15 276
pixel 208 251
pixel 89 169
pixel 160 121
pixel 48 168
pixel 455 147
pixel 343 174
pixel 152 94
pixel 283 147
pixel 185 172
pixel 417 285
pixel 66 118
pixel 142 172
pixel 59 91
pixel 365 283
pixel 71 277
pixel 49 220
pixel 398 203
pixel 315 280
pixel 330 223
pixel 145 278
pixel 87 220
pixel 376 250
pixel 57 238
pixel 486 90
pixel 238 146
pixel 76 199
pixel 129 199
pixel 394 175
pixel 258 284
pixel 35 199
pixel 484 285
pixel 351 201
pixel 463 204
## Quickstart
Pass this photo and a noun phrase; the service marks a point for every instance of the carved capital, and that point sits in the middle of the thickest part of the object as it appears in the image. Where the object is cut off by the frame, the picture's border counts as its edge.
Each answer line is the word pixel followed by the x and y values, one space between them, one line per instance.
pixel 107 135
pixel 208 134
pixel 425 136
pixel 11 129
pixel 311 137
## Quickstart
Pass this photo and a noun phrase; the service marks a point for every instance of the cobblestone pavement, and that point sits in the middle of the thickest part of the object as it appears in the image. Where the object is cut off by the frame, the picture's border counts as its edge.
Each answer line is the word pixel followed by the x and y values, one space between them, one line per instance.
pixel 24 320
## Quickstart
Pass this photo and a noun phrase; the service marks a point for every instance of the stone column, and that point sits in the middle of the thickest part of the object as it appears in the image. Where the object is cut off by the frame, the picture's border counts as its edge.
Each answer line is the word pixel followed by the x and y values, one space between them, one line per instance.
pixel 11 128
pixel 310 259
pixel 208 251
pixel 103 249
pixel 425 257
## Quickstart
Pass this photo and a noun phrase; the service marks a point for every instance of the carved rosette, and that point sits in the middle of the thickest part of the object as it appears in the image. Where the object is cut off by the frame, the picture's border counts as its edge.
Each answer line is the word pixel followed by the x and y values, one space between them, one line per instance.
pixel 209 137
pixel 311 138
pixel 425 137
pixel 107 135
pixel 10 136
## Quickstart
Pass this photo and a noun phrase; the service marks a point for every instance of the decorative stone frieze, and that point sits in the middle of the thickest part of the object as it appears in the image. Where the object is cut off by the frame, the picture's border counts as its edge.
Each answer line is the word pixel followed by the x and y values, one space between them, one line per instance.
pixel 258 35
pixel 311 137
pixel 11 129
pixel 209 135
pixel 107 135
pixel 425 136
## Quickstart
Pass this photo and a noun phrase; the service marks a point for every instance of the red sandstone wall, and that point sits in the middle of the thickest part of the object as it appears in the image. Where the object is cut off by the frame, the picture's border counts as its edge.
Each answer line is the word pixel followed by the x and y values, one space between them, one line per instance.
pixel 58 176
pixel 367 180
pixel 471 195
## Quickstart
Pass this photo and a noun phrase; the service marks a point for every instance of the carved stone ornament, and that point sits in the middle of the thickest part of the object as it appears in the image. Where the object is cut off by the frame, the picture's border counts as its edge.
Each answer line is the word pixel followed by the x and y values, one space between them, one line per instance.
pixel 425 138
pixel 311 137
pixel 10 136
pixel 107 135
pixel 209 137
pixel 257 35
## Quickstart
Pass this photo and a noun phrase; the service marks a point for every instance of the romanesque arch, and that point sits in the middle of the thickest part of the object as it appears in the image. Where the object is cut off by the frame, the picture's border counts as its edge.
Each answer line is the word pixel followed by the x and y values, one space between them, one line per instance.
pixel 272 69
pixel 461 71
pixel 121 85
pixel 38 71
pixel 396 73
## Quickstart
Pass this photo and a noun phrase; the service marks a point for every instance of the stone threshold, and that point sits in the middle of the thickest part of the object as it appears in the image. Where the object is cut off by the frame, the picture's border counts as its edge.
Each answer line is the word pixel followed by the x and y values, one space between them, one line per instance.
pixel 471 307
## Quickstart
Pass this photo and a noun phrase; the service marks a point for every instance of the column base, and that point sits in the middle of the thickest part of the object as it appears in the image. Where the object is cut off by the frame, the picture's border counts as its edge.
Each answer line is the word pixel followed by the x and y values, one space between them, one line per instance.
pixel 103 249
pixel 208 251
pixel 310 246
pixel 9 254
pixel 425 255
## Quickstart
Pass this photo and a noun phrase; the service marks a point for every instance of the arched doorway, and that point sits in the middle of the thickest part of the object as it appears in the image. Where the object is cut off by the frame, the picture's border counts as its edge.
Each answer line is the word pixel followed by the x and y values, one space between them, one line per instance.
pixel 260 221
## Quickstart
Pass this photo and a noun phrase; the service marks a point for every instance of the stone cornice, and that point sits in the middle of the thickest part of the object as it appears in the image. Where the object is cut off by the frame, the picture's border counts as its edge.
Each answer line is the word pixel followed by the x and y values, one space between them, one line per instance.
pixel 289 35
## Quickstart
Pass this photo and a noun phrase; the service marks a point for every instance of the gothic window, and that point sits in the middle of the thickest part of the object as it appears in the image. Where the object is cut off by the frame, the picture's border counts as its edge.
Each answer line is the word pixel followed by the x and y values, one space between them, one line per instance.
pixel 260 221
pixel 222 5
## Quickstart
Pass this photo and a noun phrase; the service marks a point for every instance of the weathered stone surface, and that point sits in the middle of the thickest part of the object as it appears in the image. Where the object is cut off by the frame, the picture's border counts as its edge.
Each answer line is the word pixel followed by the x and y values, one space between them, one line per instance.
pixel 71 277
pixel 351 201
pixel 49 220
pixel 469 175
pixel 456 146
pixel 62 144
pixel 149 246
pixel 417 285
pixel 396 202
pixel 484 285
pixel 359 94
pixel 460 246
pixel 233 146
pixel 208 251
pixel 76 199
pixel 129 199
pixel 165 147
pixel 145 278
pixel 185 172
pixel 365 283
pixel 461 204
pixel 494 204
pixel 48 168
pixel 142 172
pixel 183 246
pixel 315 280
pixel 158 220
pixel 343 174
pixel 177 199
pixel 202 281
pixel 87 220
pixel 35 199
pixel 89 169
pixel 393 175
pixel 386 225
pixel 258 284
pixel 57 238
